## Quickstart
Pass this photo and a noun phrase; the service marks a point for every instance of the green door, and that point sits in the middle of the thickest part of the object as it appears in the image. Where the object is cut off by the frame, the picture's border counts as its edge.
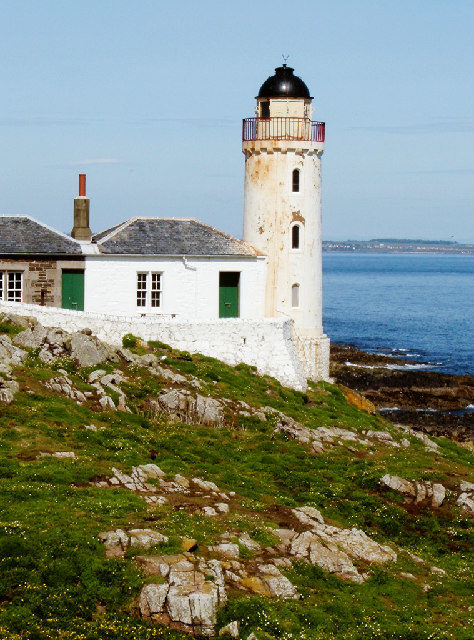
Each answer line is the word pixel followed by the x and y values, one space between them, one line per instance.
pixel 73 289
pixel 229 294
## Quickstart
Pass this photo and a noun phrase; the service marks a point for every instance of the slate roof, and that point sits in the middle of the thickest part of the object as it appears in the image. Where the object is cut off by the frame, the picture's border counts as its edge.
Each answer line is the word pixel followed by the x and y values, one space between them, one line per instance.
pixel 170 237
pixel 24 235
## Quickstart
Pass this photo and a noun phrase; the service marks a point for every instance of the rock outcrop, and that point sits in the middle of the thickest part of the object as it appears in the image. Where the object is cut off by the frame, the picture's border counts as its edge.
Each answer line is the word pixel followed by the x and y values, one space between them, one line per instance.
pixel 189 599
pixel 415 491
pixel 466 497
pixel 332 548
pixel 117 542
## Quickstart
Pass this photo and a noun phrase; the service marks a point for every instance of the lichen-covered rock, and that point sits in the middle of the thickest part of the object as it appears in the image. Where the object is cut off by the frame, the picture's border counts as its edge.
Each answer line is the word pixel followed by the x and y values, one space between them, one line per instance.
pixel 277 585
pixel 466 502
pixel 416 491
pixel 226 549
pixel 189 601
pixel 152 599
pixel 309 546
pixel 246 541
pixel 9 353
pixel 145 538
pixel 8 389
pixel 358 400
pixel 332 548
pixel 64 385
pixel 115 542
pixel 206 485
pixel 439 494
pixel 398 484
pixel 189 408
pixel 87 350
pixel 308 515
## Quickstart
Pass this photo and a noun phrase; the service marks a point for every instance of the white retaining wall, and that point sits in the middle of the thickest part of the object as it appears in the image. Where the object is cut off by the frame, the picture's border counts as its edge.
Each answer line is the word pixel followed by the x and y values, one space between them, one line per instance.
pixel 266 343
pixel 313 353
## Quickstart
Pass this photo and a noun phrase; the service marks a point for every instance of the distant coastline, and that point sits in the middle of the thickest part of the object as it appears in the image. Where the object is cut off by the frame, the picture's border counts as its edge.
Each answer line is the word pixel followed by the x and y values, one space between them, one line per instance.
pixel 393 245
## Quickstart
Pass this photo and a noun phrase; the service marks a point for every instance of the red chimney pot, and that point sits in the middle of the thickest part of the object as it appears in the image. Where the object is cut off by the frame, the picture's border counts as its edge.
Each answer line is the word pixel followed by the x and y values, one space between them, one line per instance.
pixel 82 184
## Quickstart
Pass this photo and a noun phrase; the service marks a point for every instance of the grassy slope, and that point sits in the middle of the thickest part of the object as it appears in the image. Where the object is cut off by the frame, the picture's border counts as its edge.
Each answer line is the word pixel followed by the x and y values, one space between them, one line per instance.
pixel 56 582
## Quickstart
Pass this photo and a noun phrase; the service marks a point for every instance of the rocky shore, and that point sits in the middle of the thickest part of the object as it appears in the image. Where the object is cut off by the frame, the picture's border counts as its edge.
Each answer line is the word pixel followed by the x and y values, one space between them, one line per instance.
pixel 436 403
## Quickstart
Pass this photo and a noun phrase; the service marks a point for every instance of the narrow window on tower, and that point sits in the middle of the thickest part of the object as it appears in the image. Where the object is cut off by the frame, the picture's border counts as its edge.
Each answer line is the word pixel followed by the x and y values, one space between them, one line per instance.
pixel 295 296
pixel 295 236
pixel 296 180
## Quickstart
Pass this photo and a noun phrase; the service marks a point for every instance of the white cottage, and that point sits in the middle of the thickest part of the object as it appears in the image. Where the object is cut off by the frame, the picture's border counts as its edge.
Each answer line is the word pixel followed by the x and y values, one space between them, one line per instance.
pixel 178 267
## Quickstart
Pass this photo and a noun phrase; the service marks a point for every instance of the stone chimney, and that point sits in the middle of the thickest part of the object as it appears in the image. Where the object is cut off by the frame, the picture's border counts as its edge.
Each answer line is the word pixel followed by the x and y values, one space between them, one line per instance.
pixel 81 229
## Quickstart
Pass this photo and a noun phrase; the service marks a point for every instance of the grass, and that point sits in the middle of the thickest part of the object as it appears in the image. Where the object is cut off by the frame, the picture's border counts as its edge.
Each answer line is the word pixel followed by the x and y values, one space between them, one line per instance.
pixel 56 582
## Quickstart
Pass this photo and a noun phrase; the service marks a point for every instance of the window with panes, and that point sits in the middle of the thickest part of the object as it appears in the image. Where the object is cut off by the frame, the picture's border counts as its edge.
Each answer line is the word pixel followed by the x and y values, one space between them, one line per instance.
pixel 149 289
pixel 11 285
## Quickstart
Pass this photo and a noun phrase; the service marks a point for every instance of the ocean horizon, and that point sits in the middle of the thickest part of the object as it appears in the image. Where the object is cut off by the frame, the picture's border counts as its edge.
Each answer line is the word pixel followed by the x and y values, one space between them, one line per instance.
pixel 419 307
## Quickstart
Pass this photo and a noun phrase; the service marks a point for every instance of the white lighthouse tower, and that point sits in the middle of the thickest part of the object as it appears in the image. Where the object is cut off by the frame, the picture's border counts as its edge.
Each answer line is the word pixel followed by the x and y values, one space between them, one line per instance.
pixel 282 209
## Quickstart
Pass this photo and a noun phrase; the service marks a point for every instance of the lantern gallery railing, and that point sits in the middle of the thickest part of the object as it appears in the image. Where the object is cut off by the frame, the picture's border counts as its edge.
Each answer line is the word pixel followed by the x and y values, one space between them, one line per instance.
pixel 282 129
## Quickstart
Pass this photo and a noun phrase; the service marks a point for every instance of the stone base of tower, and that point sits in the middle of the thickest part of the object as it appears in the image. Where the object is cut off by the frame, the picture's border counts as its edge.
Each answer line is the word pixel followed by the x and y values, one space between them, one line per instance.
pixel 313 354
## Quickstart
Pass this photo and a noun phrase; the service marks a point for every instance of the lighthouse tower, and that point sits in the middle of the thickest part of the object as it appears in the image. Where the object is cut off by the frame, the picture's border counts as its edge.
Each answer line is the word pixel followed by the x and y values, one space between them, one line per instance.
pixel 282 208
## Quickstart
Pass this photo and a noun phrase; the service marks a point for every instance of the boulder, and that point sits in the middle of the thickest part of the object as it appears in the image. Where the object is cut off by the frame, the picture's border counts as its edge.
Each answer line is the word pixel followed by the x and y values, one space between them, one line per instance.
pixel 145 538
pixel 189 601
pixel 246 541
pixel 206 485
pixel 226 549
pixel 152 599
pixel 277 585
pixel 398 484
pixel 308 515
pixel 309 546
pixel 466 502
pixel 416 491
pixel 106 402
pixel 9 353
pixel 87 351
pixel 222 507
pixel 439 494
pixel 152 470
pixel 357 544
pixel 115 542
pixel 188 408
pixel 8 389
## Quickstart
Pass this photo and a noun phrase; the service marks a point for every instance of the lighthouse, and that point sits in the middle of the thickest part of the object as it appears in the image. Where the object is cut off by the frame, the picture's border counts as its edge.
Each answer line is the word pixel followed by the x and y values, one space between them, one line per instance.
pixel 283 146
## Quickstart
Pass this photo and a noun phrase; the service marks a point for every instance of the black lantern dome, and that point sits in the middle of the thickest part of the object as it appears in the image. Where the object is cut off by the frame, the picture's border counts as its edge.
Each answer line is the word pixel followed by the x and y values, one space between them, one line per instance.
pixel 284 85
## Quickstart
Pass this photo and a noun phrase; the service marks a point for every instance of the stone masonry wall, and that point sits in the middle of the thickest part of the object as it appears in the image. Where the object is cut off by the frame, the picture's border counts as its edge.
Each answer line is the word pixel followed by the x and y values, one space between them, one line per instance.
pixel 266 343
pixel 41 277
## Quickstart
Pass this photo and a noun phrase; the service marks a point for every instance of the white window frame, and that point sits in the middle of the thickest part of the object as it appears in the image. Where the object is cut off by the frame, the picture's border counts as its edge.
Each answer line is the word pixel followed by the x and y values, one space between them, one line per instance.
pixel 151 292
pixel 11 286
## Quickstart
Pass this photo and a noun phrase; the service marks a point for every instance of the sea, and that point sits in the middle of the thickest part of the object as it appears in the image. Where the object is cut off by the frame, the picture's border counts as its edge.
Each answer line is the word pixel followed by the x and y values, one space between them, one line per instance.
pixel 419 307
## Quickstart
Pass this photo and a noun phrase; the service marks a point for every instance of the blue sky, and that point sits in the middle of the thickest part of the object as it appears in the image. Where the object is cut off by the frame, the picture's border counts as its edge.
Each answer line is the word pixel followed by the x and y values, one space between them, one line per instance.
pixel 147 98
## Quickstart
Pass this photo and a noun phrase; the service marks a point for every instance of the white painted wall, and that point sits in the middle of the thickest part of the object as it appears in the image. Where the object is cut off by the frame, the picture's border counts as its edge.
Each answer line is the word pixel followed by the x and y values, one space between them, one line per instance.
pixel 270 210
pixel 190 287
pixel 267 344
